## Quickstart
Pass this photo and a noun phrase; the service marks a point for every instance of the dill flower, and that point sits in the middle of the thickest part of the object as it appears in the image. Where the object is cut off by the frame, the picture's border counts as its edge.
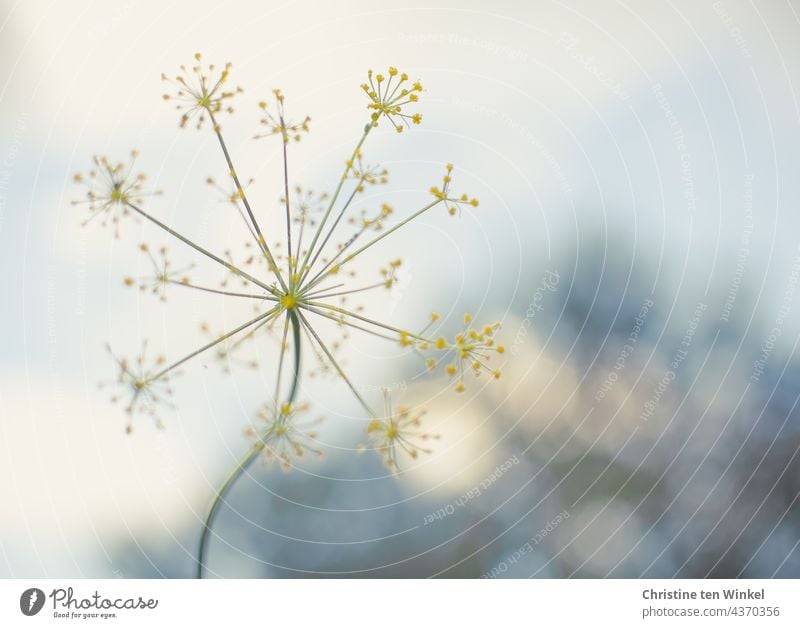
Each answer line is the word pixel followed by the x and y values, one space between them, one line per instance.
pixel 278 125
pixel 163 274
pixel 471 350
pixel 307 204
pixel 142 386
pixel 282 437
pixel 398 432
pixel 231 194
pixel 227 353
pixel 372 221
pixel 307 281
pixel 110 188
pixel 295 282
pixel 389 96
pixel 389 273
pixel 366 174
pixel 200 93
pixel 452 203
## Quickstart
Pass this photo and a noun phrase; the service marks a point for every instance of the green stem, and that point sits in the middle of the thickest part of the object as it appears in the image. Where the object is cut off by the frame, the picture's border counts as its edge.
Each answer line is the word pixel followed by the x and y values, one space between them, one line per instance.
pixel 262 242
pixel 303 268
pixel 200 249
pixel 288 210
pixel 322 274
pixel 336 366
pixel 213 343
pixel 247 459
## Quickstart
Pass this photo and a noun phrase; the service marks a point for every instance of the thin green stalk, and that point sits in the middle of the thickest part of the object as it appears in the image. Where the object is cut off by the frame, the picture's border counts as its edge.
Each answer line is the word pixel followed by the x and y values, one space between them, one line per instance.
pixel 318 232
pixel 247 459
pixel 213 343
pixel 200 249
pixel 336 366
pixel 262 242
pixel 342 321
pixel 336 222
pixel 243 295
pixel 322 273
pixel 288 210
pixel 343 312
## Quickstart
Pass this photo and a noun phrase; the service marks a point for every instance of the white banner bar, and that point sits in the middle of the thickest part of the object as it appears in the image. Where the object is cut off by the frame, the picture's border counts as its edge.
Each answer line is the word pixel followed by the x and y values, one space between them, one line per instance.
pixel 390 603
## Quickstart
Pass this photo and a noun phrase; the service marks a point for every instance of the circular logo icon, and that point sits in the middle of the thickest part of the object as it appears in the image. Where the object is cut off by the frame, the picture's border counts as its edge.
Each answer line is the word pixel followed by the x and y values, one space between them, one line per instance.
pixel 31 601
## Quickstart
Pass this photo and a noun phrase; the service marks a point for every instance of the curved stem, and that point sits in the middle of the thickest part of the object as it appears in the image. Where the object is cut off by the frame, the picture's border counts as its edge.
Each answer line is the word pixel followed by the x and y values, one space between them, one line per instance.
pixel 248 458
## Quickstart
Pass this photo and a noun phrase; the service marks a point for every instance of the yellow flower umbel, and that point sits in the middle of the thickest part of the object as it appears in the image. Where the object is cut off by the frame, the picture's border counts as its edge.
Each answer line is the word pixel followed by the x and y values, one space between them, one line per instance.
pixel 111 188
pixel 307 204
pixel 282 437
pixel 366 174
pixel 141 388
pixel 278 125
pixel 201 92
pixel 232 194
pixel 389 95
pixel 303 280
pixel 472 349
pixel 228 353
pixel 398 432
pixel 162 276
pixel 452 203
pixel 308 280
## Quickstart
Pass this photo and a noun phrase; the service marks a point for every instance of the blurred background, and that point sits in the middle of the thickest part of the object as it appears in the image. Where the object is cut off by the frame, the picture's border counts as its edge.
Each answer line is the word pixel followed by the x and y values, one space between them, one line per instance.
pixel 638 237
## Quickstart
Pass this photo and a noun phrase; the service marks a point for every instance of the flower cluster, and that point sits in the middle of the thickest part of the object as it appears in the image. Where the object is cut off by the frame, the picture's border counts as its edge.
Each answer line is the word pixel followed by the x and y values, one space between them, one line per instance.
pixel 162 275
pixel 452 203
pixel 307 204
pixel 298 283
pixel 472 349
pixel 398 432
pixel 389 96
pixel 227 352
pixel 277 123
pixel 111 188
pixel 233 193
pixel 282 437
pixel 200 93
pixel 366 174
pixel 142 385
pixel 373 221
pixel 469 351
